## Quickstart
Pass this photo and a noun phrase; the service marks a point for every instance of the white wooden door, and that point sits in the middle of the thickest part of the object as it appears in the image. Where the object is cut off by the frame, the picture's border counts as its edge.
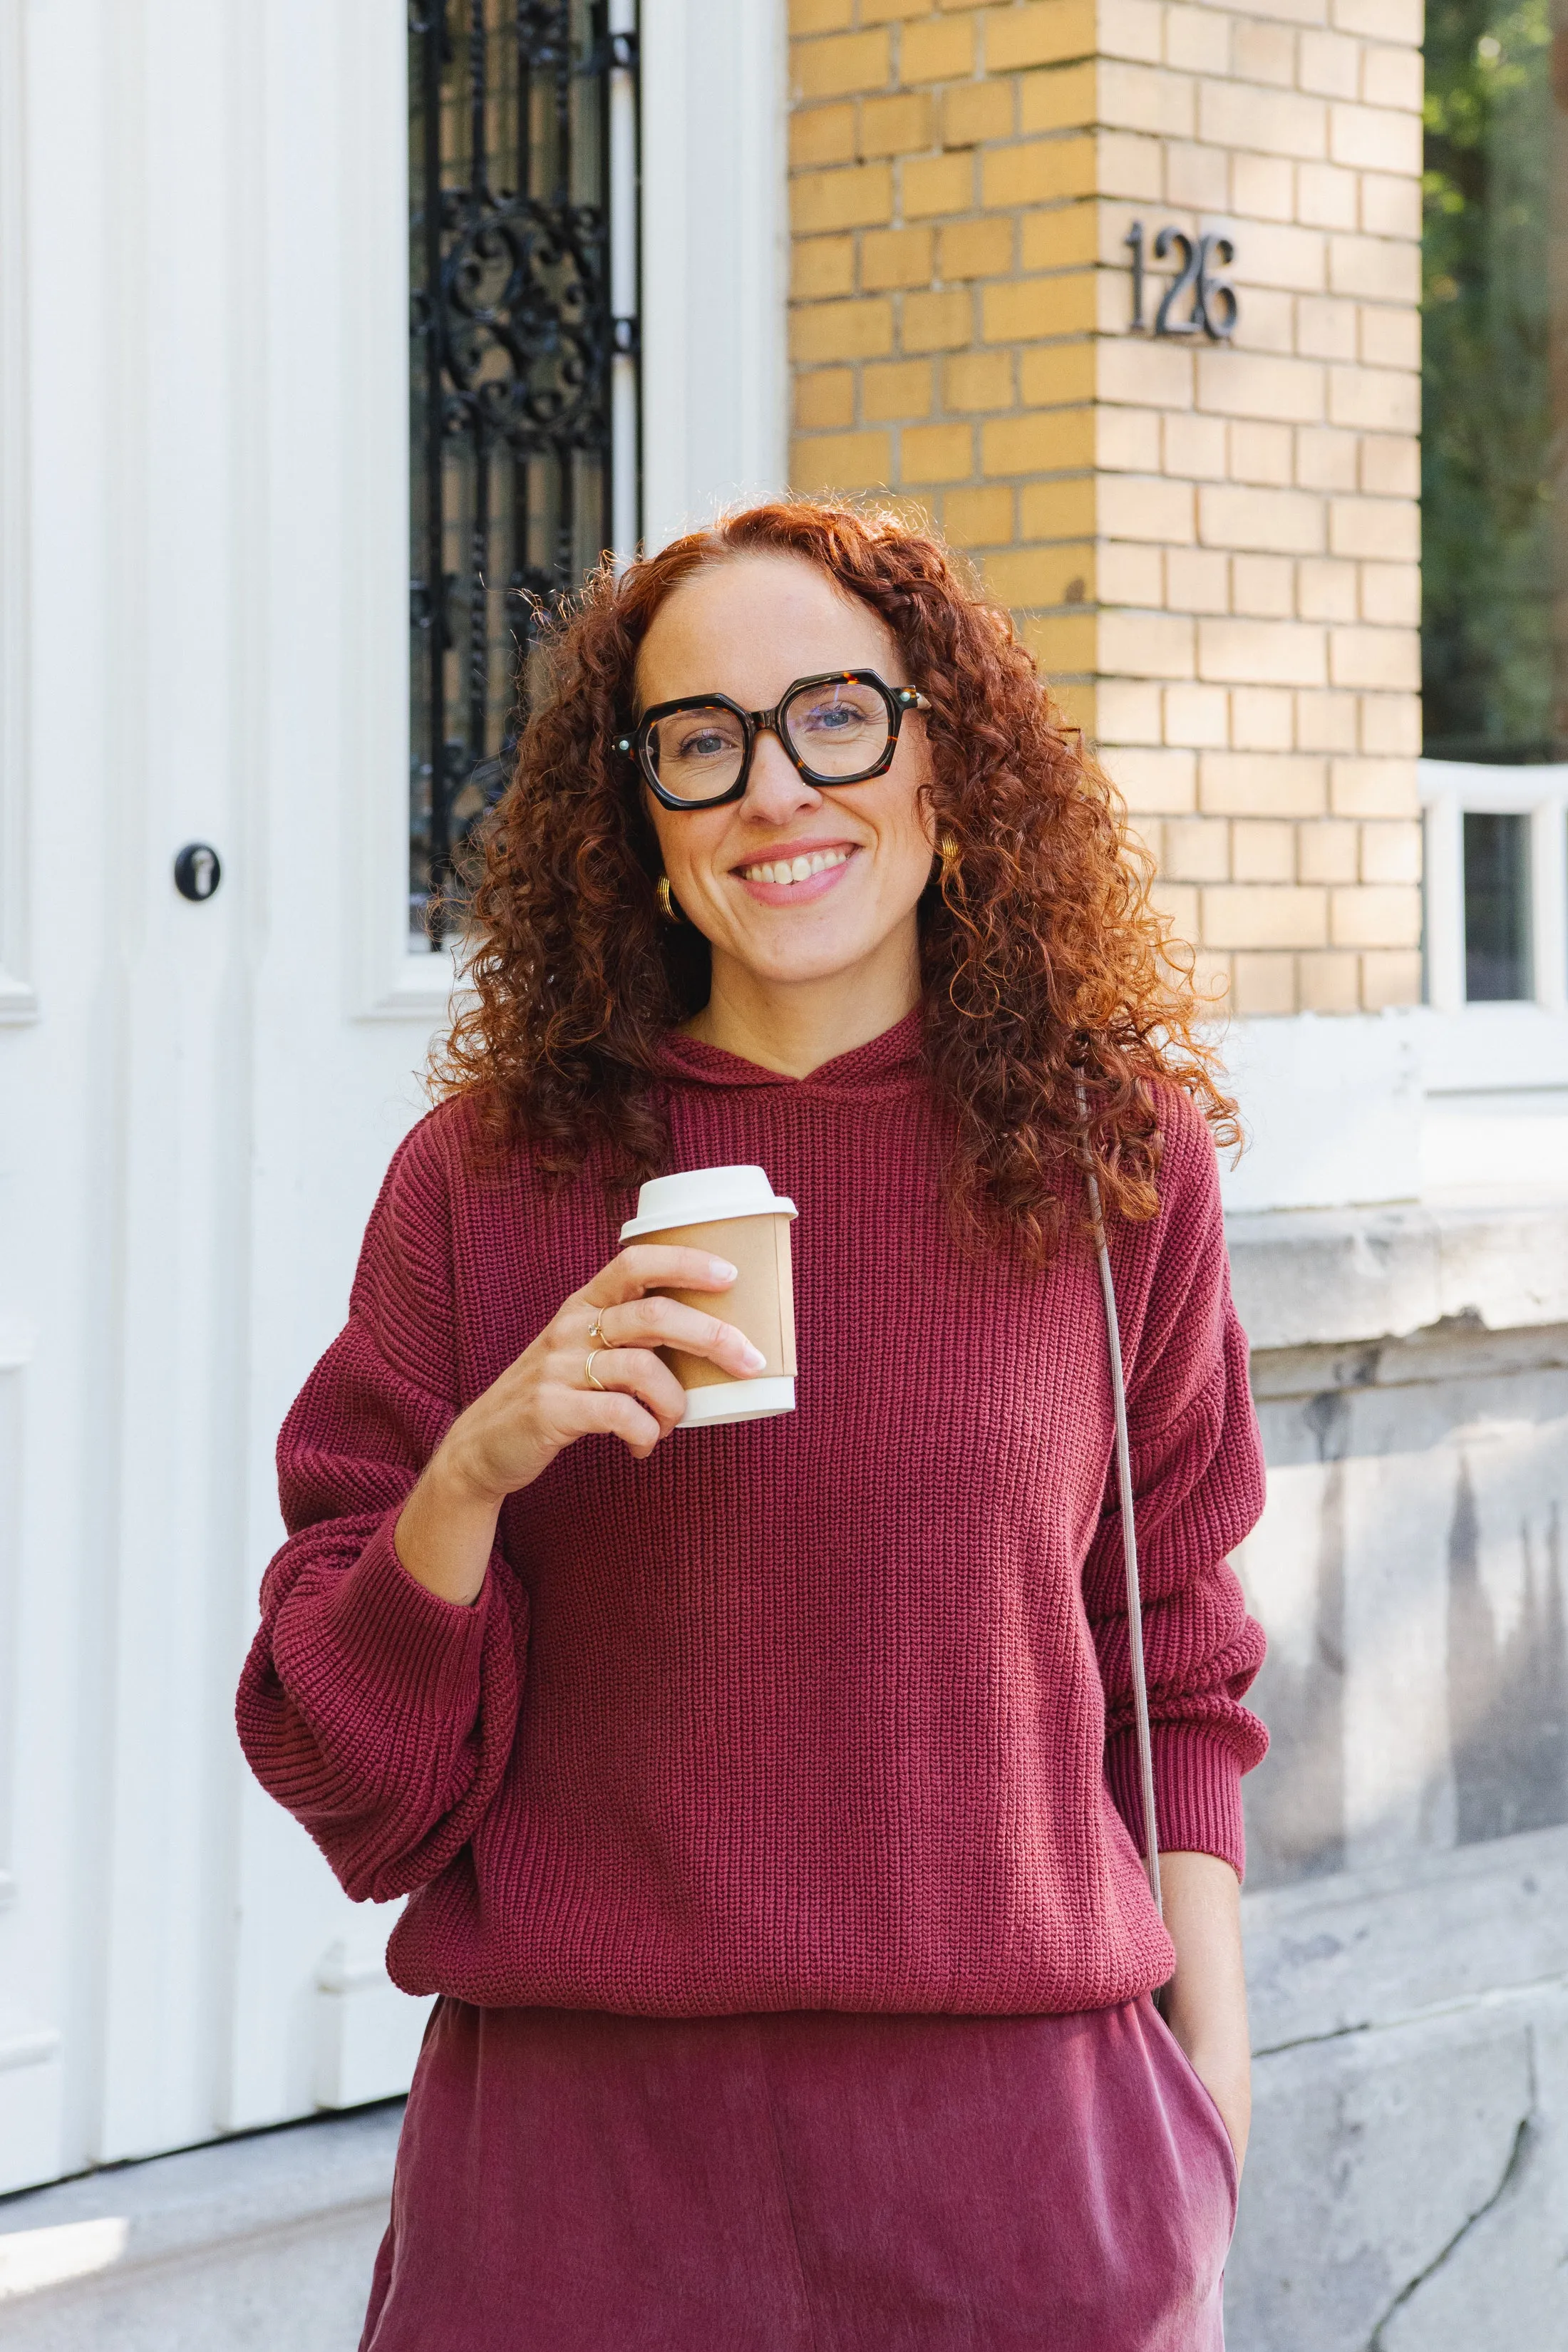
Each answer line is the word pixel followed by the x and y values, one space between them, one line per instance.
pixel 204 577
pixel 204 567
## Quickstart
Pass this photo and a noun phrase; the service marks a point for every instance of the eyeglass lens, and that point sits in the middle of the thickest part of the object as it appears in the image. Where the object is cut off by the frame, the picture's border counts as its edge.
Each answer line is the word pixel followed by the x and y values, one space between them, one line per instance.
pixel 837 730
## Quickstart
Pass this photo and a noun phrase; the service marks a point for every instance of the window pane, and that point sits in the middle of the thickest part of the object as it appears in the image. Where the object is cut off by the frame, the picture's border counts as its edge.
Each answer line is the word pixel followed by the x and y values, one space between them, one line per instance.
pixel 1496 909
pixel 1494 684
pixel 510 354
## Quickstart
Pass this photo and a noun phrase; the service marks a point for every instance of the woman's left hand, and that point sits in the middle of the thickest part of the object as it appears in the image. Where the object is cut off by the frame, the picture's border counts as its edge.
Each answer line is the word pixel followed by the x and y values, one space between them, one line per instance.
pixel 1206 2003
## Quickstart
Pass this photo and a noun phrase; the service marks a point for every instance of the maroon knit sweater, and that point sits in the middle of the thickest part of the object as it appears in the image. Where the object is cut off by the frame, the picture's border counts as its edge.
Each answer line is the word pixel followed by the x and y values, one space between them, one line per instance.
pixel 830 1711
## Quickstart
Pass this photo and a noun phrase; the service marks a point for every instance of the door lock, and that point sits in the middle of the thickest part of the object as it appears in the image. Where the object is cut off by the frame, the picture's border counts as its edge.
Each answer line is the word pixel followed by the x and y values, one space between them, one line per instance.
pixel 197 871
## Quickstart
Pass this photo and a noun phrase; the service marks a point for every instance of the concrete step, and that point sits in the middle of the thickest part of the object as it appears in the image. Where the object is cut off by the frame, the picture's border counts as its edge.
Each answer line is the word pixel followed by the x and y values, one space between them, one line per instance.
pixel 256 2241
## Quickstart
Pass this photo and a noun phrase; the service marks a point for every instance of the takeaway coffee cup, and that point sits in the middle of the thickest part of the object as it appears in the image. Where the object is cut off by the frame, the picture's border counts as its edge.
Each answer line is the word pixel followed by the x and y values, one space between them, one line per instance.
pixel 734 1213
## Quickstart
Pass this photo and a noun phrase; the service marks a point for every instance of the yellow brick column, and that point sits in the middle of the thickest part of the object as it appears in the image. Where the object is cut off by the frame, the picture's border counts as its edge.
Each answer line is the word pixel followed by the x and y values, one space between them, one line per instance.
pixel 1213 548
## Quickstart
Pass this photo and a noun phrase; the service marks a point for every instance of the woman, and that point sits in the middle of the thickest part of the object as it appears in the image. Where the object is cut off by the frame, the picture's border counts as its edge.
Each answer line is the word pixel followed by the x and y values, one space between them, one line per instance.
pixel 766 1792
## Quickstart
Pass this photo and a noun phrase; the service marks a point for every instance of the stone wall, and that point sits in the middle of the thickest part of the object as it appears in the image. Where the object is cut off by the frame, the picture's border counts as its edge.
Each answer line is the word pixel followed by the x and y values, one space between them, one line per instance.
pixel 1213 548
pixel 1407 1904
pixel 1410 1367
pixel 1406 2188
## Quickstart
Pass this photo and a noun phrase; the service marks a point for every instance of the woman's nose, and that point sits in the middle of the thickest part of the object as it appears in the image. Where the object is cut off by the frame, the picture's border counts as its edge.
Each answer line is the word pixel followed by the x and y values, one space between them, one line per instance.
pixel 775 786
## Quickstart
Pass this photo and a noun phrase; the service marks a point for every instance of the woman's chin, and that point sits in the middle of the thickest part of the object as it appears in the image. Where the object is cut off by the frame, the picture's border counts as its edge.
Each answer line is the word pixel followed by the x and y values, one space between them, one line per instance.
pixel 818 962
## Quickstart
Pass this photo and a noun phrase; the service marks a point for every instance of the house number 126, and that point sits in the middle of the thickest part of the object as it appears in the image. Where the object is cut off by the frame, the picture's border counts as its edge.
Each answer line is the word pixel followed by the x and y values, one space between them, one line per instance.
pixel 1197 301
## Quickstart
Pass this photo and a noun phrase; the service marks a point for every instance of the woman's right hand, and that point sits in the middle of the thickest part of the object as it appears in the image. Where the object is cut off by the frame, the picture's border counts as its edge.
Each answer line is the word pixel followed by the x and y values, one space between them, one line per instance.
pixel 544 1400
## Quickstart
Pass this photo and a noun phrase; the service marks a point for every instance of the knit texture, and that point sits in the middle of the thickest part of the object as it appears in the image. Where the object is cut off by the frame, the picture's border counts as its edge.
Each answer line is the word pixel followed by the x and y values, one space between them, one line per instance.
pixel 828 1711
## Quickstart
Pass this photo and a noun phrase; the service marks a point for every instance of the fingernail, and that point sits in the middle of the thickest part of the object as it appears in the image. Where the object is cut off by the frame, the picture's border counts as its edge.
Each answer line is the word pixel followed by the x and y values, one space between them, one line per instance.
pixel 723 1269
pixel 753 1358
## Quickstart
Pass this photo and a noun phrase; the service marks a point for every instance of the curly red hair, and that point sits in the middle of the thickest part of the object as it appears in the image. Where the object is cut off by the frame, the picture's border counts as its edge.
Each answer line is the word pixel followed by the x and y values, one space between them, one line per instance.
pixel 1044 965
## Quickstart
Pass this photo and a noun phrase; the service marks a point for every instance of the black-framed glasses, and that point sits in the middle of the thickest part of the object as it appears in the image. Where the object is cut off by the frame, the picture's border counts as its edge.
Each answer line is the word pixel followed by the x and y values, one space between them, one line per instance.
pixel 841 728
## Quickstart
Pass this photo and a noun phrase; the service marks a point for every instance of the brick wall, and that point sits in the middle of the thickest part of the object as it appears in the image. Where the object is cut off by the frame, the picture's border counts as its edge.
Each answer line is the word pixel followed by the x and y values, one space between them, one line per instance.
pixel 1214 549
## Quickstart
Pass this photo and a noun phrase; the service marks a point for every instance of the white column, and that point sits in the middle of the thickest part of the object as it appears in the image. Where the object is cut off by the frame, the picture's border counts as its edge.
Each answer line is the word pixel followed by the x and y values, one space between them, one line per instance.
pixel 714 240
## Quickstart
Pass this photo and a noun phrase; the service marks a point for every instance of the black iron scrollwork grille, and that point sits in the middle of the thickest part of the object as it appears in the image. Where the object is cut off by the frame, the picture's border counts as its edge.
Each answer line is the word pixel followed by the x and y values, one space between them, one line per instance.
pixel 512 345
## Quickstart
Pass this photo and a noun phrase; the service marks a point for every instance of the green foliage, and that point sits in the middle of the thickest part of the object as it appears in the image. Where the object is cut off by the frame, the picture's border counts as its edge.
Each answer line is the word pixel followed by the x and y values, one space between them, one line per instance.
pixel 1488 461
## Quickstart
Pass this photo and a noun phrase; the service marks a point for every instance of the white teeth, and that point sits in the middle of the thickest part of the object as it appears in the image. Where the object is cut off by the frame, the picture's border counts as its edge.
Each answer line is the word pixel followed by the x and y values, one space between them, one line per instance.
pixel 785 870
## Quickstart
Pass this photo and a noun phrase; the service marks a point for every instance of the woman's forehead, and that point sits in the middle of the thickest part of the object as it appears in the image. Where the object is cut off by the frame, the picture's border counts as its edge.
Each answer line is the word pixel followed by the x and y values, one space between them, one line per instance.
pixel 747 625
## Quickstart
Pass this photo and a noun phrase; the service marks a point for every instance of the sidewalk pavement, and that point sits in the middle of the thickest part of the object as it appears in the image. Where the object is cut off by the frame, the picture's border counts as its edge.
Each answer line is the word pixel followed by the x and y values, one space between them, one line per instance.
pixel 249 2244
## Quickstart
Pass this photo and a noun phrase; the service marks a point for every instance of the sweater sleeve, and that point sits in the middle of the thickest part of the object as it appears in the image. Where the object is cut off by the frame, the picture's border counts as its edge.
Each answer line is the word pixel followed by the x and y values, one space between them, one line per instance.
pixel 379 1715
pixel 1198 1488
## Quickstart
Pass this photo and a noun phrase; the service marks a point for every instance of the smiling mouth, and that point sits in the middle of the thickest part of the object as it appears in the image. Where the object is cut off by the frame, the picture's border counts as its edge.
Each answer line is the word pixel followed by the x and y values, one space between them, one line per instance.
pixel 782 871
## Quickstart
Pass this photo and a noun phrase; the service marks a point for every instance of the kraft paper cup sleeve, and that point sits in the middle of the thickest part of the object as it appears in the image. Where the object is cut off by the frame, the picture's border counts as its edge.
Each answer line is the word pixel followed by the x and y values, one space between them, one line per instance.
pixel 759 1302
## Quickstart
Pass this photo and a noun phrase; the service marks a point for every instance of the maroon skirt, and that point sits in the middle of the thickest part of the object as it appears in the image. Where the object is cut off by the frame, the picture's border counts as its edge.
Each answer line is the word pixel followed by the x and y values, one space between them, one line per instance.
pixel 813 2181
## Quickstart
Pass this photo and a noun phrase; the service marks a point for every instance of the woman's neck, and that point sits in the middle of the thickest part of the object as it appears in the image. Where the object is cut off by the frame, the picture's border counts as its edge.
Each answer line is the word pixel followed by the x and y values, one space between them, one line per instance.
pixel 794 1026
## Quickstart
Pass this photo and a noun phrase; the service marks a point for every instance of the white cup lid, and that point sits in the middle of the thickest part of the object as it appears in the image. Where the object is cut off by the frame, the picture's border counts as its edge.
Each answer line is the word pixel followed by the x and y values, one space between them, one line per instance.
pixel 700 1196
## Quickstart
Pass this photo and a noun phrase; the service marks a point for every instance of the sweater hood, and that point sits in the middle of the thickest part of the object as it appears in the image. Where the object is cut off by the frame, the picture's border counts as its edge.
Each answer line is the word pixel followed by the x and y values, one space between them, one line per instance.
pixel 893 1059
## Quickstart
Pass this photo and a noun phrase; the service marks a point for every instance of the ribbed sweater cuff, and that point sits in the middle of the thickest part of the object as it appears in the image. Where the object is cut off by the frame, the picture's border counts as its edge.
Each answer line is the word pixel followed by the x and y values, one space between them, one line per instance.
pixel 1198 1793
pixel 397 1637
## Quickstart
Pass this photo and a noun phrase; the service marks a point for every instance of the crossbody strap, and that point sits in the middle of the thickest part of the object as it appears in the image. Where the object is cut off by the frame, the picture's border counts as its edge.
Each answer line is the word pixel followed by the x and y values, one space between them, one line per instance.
pixel 1129 1527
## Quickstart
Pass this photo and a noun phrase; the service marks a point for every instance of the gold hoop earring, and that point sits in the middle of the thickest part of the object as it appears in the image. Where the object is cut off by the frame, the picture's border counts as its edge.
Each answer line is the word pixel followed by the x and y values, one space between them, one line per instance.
pixel 667 905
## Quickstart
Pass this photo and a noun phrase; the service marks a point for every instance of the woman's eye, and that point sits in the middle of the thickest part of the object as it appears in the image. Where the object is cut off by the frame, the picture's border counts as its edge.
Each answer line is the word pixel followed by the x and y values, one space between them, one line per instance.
pixel 702 742
pixel 834 718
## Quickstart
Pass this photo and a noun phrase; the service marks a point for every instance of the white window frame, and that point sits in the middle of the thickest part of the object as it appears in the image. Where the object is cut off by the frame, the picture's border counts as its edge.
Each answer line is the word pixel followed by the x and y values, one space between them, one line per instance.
pixel 1450 788
pixel 391 981
pixel 626 432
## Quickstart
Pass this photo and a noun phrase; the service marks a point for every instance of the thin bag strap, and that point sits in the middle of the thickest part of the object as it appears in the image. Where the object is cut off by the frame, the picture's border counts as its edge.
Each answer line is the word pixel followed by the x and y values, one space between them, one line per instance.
pixel 1129 1527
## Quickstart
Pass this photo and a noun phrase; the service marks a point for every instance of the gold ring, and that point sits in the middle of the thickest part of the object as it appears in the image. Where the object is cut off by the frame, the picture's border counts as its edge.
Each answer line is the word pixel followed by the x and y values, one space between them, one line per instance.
pixel 588 1372
pixel 596 1338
